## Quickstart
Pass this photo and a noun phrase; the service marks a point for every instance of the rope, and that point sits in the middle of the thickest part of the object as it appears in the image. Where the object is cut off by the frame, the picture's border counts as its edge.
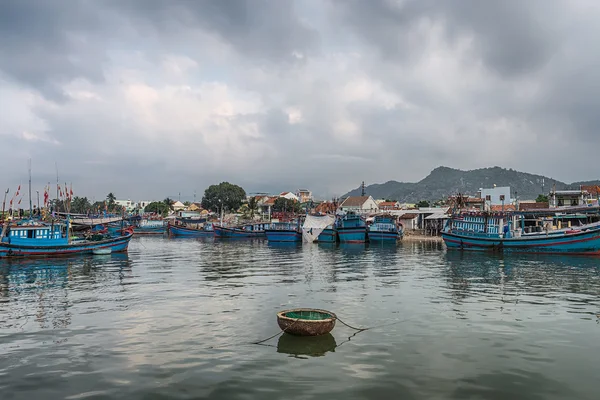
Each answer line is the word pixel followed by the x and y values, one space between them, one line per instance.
pixel 352 327
pixel 277 334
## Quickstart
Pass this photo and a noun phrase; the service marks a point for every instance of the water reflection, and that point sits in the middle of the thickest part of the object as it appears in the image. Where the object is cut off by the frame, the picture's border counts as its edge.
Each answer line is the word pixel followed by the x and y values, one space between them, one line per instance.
pixel 313 346
pixel 525 278
pixel 41 289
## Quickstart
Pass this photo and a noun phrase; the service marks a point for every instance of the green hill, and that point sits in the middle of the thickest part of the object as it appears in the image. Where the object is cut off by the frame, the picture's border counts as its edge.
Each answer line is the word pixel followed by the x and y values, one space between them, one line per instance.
pixel 444 181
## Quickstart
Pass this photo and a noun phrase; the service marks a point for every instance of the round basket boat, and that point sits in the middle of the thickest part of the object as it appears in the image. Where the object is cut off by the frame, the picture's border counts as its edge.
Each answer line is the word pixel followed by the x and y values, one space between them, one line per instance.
pixel 306 321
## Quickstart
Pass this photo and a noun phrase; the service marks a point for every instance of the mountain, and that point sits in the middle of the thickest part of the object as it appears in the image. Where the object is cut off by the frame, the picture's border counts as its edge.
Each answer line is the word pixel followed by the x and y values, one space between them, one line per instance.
pixel 444 181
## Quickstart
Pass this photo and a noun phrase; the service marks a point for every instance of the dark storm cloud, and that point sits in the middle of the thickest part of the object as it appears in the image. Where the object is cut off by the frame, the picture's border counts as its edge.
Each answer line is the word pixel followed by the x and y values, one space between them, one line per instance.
pixel 511 36
pixel 44 44
pixel 286 94
pixel 264 29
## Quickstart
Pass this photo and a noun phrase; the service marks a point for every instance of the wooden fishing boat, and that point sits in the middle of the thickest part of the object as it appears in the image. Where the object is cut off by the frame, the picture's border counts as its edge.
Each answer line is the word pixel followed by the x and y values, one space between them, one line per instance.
pixel 352 228
pixel 384 229
pixel 306 321
pixel 240 232
pixel 284 232
pixel 53 240
pixel 505 232
pixel 191 232
pixel 150 227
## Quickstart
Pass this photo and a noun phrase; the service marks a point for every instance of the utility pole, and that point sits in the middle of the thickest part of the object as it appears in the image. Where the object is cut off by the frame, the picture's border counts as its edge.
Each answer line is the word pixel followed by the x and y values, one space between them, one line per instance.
pixel 362 189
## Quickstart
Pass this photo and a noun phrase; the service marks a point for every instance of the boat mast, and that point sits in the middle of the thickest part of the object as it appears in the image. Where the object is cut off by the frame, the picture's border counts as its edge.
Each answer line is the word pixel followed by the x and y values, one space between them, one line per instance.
pixel 30 207
pixel 56 165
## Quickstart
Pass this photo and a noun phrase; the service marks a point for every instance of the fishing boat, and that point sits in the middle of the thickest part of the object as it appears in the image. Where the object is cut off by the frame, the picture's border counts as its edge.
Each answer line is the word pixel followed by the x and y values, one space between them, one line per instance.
pixel 306 321
pixel 284 232
pixel 505 232
pixel 180 230
pixel 54 240
pixel 82 222
pixel 384 229
pixel 150 227
pixel 352 228
pixel 319 228
pixel 241 232
pixel 328 235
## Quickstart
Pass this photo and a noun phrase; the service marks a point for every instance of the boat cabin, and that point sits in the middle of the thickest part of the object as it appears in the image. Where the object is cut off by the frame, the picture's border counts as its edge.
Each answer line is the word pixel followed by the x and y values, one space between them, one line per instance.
pixel 34 235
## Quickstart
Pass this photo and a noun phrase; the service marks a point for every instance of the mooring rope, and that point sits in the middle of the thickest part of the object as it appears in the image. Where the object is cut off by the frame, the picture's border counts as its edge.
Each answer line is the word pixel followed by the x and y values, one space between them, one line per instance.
pixel 277 334
pixel 352 327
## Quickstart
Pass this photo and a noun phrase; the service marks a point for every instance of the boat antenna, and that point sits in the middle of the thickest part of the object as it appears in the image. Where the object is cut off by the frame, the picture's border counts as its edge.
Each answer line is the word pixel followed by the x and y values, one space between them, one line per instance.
pixel 56 166
pixel 30 207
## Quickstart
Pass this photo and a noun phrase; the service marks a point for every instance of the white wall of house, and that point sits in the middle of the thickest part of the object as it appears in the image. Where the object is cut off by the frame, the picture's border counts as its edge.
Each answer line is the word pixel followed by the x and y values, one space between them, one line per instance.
pixel 495 194
pixel 289 196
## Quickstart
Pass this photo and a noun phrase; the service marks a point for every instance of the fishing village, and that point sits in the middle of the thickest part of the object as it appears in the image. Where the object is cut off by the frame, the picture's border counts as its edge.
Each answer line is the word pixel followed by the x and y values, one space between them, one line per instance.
pixel 561 222
pixel 299 200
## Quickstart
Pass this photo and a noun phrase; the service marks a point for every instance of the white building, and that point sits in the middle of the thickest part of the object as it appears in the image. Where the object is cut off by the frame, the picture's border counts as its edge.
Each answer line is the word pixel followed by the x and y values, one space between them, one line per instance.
pixel 359 204
pixel 128 204
pixel 143 203
pixel 496 195
pixel 304 195
pixel 289 196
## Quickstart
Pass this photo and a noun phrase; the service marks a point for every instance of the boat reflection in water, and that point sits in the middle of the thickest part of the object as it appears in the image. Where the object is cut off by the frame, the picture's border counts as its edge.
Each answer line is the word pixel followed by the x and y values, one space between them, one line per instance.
pixel 312 346
pixel 43 287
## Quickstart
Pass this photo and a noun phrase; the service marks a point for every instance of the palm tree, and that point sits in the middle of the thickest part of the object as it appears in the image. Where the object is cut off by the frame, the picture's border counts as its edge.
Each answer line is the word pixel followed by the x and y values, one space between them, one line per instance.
pixel 252 206
pixel 111 200
pixel 169 203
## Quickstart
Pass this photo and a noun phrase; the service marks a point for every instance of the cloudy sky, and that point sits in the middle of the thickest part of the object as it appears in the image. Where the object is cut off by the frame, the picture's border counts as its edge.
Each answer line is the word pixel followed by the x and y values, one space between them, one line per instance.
pixel 150 98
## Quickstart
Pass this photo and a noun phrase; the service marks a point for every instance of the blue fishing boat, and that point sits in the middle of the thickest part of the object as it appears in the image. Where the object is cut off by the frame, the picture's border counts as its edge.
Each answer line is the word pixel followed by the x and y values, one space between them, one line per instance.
pixel 351 228
pixel 150 227
pixel 328 235
pixel 384 229
pixel 284 232
pixel 241 232
pixel 191 232
pixel 505 232
pixel 54 240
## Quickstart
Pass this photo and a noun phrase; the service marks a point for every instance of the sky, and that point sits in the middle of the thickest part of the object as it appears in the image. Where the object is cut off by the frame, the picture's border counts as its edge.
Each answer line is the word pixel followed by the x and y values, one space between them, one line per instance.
pixel 156 98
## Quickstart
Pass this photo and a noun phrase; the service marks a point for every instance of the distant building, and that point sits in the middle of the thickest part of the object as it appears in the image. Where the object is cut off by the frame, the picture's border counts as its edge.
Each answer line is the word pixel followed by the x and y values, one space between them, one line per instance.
pixel 495 196
pixel 177 206
pixel 389 205
pixel 304 195
pixel 569 198
pixel 143 204
pixel 289 196
pixel 359 204
pixel 127 204
pixel 195 207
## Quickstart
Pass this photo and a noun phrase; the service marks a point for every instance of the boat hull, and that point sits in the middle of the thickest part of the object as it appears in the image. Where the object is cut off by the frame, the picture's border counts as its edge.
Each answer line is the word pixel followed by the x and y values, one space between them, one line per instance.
pixel 380 236
pixel 352 235
pixel 236 233
pixel 154 230
pixel 115 245
pixel 181 231
pixel 283 235
pixel 581 243
pixel 327 236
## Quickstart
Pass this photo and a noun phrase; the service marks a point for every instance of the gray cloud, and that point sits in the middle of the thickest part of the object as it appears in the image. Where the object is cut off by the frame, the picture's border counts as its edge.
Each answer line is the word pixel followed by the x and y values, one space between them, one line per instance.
pixel 152 98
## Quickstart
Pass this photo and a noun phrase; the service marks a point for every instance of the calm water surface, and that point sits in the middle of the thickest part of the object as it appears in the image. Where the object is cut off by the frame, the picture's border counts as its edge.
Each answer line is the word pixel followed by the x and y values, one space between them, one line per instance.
pixel 173 319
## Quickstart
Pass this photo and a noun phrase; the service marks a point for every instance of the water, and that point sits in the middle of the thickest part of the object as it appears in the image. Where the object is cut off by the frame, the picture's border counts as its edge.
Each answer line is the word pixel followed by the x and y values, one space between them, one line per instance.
pixel 173 319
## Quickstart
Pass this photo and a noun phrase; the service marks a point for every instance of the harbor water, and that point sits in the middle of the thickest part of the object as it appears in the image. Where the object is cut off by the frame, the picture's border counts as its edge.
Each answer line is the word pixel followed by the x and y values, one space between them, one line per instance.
pixel 176 318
